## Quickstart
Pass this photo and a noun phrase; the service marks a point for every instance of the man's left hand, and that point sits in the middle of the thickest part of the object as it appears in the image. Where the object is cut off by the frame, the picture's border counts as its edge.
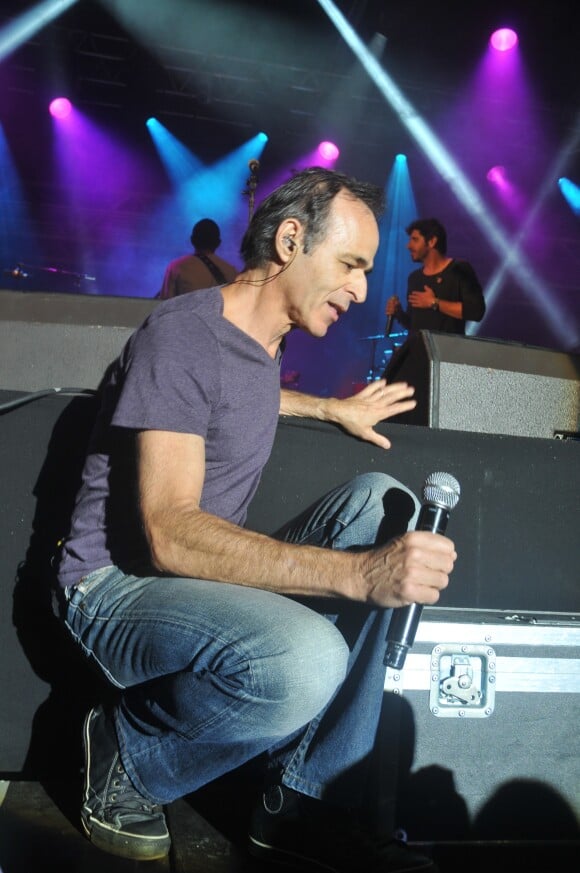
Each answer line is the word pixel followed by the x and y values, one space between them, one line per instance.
pixel 359 414
pixel 422 299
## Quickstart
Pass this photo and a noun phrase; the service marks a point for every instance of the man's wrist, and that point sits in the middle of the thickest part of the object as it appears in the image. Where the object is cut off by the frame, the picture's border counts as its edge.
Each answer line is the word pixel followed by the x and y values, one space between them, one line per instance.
pixel 329 410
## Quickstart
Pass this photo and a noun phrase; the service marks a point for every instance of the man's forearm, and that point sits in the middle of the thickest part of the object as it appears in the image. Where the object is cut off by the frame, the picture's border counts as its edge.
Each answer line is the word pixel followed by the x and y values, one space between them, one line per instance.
pixel 305 405
pixel 412 568
pixel 403 317
pixel 451 308
pixel 195 544
pixel 330 409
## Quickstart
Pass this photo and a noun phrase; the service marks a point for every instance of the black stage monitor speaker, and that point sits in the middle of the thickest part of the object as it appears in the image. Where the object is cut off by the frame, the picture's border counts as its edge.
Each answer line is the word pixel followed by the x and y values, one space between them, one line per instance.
pixel 466 383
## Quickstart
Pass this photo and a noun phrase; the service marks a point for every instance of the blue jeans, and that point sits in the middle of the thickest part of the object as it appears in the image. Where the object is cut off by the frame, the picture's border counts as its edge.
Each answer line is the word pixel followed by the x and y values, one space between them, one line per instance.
pixel 212 675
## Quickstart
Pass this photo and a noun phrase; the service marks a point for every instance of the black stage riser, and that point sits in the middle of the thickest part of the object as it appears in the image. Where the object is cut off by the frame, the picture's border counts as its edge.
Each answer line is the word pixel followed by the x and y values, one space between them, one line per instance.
pixel 515 529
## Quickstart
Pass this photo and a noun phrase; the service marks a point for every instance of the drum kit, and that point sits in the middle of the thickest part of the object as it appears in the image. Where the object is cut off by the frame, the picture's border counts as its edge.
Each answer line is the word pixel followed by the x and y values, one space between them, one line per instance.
pixel 381 349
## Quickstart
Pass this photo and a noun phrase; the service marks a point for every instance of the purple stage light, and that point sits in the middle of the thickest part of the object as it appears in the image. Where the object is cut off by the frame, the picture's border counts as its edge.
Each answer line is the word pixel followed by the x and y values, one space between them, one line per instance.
pixel 504 39
pixel 328 151
pixel 60 107
pixel 496 175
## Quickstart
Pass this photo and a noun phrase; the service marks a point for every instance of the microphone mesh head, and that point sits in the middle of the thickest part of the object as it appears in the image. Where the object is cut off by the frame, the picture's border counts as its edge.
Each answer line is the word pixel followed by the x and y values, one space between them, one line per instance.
pixel 442 489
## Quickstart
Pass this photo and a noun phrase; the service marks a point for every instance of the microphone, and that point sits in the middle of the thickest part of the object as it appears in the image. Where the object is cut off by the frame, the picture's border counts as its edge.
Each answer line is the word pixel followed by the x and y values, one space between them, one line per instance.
pixel 389 325
pixel 254 165
pixel 440 495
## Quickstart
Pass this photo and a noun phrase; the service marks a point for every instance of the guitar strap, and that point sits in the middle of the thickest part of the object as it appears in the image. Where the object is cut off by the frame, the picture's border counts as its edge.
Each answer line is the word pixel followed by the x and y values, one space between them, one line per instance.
pixel 214 270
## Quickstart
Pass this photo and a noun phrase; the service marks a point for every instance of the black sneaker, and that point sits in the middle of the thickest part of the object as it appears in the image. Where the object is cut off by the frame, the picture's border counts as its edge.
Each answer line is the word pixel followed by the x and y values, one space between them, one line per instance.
pixel 116 818
pixel 289 828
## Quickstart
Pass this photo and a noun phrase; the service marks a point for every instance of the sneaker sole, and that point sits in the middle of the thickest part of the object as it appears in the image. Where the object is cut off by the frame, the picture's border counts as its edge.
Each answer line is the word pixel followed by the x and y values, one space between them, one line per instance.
pixel 263 851
pixel 123 845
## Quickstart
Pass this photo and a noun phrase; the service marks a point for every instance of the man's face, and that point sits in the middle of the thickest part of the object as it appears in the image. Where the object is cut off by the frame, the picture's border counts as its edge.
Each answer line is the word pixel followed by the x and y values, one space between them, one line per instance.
pixel 323 283
pixel 418 246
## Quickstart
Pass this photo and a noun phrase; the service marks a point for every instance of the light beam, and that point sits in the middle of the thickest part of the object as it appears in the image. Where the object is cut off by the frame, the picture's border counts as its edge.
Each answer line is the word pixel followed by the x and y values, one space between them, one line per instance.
pixel 26 25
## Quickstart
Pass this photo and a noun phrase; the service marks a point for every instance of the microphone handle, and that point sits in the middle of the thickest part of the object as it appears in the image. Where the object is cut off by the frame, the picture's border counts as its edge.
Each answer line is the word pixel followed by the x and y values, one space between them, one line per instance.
pixel 389 325
pixel 405 620
pixel 433 518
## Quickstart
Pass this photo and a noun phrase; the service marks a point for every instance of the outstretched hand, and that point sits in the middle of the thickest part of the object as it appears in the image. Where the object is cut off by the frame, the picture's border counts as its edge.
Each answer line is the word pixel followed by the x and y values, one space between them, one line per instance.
pixel 359 413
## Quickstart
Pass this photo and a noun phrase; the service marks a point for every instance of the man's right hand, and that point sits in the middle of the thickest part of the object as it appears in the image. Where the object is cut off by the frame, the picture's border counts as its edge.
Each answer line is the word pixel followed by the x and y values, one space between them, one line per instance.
pixel 413 568
pixel 393 305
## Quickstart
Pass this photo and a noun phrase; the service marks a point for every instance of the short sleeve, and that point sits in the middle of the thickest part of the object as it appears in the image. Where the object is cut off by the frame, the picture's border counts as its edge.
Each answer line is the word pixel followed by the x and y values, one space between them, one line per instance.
pixel 171 378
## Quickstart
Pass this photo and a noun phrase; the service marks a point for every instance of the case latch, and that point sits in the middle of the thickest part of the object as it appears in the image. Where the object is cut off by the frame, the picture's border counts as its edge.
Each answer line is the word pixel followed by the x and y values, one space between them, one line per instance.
pixel 462 681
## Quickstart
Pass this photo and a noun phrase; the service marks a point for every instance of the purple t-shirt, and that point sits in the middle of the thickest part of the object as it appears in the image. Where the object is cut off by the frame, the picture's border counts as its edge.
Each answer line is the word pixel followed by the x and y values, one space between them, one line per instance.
pixel 189 370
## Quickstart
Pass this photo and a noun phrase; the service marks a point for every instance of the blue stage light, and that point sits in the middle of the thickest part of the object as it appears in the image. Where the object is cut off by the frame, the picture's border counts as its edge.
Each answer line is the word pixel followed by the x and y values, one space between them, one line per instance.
pixel 570 193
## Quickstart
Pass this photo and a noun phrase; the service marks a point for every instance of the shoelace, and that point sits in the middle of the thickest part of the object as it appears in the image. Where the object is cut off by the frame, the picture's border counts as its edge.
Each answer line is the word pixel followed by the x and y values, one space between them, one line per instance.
pixel 123 800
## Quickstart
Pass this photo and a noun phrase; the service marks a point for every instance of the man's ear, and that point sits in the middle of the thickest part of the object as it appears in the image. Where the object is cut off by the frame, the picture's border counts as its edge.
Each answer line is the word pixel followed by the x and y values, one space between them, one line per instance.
pixel 288 240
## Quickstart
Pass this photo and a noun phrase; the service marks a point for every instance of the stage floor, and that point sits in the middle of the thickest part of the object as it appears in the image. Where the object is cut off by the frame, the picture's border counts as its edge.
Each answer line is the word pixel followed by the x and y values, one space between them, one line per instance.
pixel 39 832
